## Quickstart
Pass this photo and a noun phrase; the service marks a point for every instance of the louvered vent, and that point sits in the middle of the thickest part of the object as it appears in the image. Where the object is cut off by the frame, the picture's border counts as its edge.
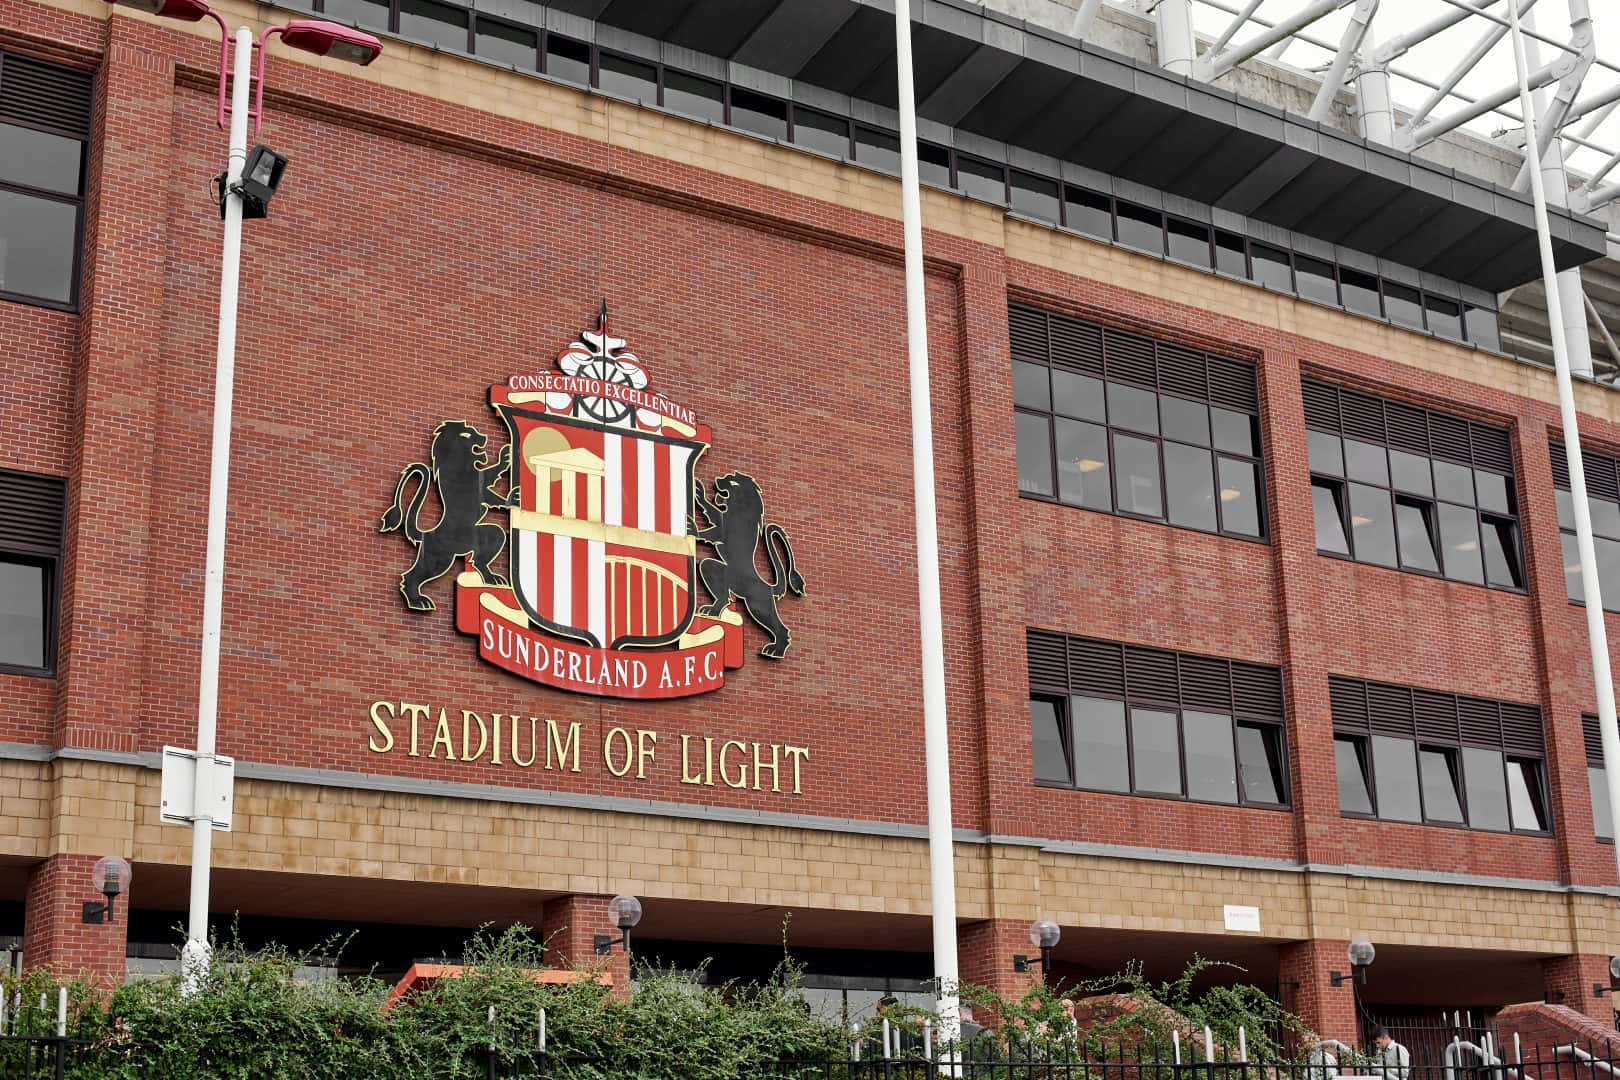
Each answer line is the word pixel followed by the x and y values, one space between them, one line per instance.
pixel 1521 730
pixel 1206 683
pixel 1183 371
pixel 1560 465
pixel 1077 346
pixel 1594 741
pixel 1096 667
pixel 45 96
pixel 1321 406
pixel 1026 328
pixel 1408 427
pixel 1493 449
pixel 1449 438
pixel 1479 722
pixel 32 508
pixel 1150 673
pixel 1389 710
pixel 1600 477
pixel 1349 697
pixel 1048 666
pixel 1362 416
pixel 1257 689
pixel 1436 716
pixel 1232 385
pixel 1130 358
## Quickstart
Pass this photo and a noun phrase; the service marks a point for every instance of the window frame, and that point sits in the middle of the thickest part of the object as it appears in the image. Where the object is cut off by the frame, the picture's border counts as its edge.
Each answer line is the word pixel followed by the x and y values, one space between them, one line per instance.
pixel 1600 467
pixel 1429 504
pixel 1051 415
pixel 1593 739
pixel 1179 706
pixel 50 561
pixel 1366 732
pixel 77 200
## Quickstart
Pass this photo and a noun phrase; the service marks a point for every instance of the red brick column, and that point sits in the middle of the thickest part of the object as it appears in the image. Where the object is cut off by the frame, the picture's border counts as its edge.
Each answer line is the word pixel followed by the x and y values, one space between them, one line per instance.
pixel 55 934
pixel 1304 970
pixel 569 925
pixel 1568 981
pixel 985 952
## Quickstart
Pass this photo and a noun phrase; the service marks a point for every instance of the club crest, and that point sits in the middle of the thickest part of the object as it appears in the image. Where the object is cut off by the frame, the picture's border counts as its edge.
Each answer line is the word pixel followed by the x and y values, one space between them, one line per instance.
pixel 604 517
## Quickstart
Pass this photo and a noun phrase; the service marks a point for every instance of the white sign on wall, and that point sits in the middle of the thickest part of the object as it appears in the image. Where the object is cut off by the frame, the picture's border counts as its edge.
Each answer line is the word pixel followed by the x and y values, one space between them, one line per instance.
pixel 1243 917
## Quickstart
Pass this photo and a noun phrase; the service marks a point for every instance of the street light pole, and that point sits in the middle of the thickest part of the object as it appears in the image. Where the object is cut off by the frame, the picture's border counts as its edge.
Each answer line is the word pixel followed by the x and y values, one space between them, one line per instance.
pixel 194 959
pixel 1596 630
pixel 931 620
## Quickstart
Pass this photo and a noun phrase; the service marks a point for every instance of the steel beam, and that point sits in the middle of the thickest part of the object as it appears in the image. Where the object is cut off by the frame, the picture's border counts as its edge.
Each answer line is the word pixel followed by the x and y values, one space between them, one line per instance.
pixel 1210 67
pixel 1235 25
pixel 1435 128
pixel 1398 47
pixel 1084 18
pixel 1354 32
pixel 1473 56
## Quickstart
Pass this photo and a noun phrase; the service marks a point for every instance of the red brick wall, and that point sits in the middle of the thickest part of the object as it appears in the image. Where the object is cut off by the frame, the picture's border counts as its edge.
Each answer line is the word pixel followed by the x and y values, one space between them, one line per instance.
pixel 569 925
pixel 407 265
pixel 1305 973
pixel 1544 1027
pixel 57 935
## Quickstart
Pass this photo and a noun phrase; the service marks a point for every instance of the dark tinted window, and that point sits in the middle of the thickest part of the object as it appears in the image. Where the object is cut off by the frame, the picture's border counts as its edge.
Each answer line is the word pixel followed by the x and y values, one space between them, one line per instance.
pixel 1360 292
pixel 362 12
pixel 821 131
pixel 1089 212
pixel 30 553
pixel 1408 754
pixel 1445 316
pixel 1035 196
pixel 439 24
pixel 1415 502
pixel 1270 267
pixel 627 78
pixel 1126 446
pixel 877 150
pixel 508 44
pixel 758 113
pixel 1189 243
pixel 981 179
pixel 934 165
pixel 1230 257
pixel 1482 328
pixel 1403 304
pixel 1049 742
pixel 41 177
pixel 1157 723
pixel 1141 227
pixel 694 96
pixel 1099 744
pixel 565 57
pixel 1314 280
pixel 24 601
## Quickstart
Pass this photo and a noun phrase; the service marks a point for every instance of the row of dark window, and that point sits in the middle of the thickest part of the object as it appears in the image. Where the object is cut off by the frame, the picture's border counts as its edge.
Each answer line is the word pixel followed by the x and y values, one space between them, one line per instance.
pixel 1119 422
pixel 1603 501
pixel 1397 485
pixel 44 129
pixel 32 511
pixel 1407 754
pixel 1124 718
pixel 1094 213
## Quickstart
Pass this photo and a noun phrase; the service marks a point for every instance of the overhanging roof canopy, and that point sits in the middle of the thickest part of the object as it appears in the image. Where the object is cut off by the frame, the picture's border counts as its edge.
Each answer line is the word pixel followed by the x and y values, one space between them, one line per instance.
pixel 1004 79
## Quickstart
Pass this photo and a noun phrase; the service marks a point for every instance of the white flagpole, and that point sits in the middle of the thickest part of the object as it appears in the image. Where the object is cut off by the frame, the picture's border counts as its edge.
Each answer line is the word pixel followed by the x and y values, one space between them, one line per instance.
pixel 1596 632
pixel 941 852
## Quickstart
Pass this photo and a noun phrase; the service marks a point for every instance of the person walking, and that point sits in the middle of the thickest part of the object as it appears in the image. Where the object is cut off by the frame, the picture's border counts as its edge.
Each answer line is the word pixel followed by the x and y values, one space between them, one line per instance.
pixel 1391 1060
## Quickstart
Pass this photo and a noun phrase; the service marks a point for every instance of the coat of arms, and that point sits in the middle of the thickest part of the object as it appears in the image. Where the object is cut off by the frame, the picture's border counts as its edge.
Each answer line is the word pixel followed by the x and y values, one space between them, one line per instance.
pixel 604 517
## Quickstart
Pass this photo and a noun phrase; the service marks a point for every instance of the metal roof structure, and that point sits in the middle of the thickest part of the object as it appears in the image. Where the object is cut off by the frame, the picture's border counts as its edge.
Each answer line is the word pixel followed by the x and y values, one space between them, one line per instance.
pixel 1014 81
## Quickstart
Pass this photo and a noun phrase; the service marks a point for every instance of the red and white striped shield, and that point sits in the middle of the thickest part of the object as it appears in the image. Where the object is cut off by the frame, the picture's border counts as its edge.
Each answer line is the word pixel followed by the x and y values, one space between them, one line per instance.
pixel 601 545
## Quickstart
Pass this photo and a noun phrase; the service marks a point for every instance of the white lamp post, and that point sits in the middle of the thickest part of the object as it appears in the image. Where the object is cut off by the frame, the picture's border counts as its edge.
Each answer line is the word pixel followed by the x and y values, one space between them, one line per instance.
pixel 323 39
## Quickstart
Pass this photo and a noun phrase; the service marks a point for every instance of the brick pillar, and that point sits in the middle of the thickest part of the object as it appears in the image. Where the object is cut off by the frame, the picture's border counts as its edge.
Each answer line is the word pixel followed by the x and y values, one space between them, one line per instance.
pixel 1304 970
pixel 1568 981
pixel 985 952
pixel 569 925
pixel 54 932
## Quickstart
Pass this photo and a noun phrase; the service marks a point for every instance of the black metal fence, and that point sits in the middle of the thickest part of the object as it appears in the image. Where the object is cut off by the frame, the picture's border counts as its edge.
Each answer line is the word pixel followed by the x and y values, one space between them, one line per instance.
pixel 1459 1060
pixel 45 1057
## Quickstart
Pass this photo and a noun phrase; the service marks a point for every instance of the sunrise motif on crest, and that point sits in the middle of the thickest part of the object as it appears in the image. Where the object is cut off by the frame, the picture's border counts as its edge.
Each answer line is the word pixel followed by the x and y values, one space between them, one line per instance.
pixel 605 516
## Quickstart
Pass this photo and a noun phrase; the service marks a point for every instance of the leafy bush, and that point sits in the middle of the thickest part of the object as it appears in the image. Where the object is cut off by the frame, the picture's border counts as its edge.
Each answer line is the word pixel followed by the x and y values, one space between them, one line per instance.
pixel 253 1017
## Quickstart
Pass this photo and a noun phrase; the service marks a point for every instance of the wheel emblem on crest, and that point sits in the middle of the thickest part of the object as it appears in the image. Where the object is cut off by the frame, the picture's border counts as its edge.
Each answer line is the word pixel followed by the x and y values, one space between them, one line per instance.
pixel 604 517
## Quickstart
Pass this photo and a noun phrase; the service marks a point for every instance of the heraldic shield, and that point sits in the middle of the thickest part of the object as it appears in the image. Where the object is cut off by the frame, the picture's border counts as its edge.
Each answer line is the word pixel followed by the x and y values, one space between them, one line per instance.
pixel 601 546
pixel 603 505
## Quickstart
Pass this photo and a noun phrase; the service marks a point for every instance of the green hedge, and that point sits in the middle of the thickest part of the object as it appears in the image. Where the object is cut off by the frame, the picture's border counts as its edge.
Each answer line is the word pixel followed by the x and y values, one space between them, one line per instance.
pixel 252 1018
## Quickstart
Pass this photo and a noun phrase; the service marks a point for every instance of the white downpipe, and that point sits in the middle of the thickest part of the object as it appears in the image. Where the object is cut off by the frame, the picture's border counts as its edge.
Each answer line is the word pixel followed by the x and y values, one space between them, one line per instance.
pixel 1555 185
pixel 936 734
pixel 1174 27
pixel 194 958
pixel 1596 631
